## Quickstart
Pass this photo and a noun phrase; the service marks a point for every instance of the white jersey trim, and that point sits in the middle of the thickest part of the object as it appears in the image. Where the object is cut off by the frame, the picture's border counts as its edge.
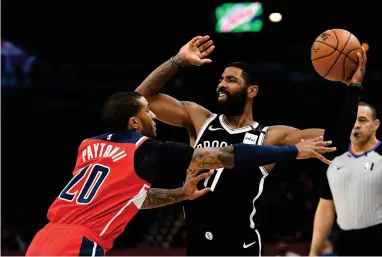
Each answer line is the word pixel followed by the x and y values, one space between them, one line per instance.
pixel 143 191
pixel 238 130
pixel 140 141
pixel 261 184
pixel 204 127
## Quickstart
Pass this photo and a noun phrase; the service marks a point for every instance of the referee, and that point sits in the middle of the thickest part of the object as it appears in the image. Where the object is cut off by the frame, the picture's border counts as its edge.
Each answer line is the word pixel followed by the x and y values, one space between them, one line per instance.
pixel 352 189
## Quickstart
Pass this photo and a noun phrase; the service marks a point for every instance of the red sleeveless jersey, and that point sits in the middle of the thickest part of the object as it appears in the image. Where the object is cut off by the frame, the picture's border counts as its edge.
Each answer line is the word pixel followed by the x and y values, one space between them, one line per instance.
pixel 105 192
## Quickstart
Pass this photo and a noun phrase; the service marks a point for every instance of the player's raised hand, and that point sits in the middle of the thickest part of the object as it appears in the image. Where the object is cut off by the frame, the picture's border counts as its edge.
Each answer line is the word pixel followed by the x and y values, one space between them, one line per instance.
pixel 359 74
pixel 190 187
pixel 195 52
pixel 314 148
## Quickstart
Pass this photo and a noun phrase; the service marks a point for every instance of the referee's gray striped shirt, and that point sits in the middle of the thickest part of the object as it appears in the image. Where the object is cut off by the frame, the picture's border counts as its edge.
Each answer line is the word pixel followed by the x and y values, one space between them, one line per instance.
pixel 356 186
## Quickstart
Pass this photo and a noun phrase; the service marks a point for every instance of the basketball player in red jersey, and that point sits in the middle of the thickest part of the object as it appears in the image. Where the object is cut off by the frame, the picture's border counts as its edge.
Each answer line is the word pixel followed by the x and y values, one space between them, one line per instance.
pixel 236 90
pixel 114 172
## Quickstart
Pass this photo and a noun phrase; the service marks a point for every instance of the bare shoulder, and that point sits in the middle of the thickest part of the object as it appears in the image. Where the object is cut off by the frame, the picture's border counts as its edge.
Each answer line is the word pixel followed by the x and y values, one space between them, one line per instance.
pixel 277 133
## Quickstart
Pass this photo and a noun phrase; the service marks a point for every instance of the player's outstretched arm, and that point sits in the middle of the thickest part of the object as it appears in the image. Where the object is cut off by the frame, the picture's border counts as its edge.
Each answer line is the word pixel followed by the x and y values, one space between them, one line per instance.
pixel 168 109
pixel 157 197
pixel 341 131
pixel 244 156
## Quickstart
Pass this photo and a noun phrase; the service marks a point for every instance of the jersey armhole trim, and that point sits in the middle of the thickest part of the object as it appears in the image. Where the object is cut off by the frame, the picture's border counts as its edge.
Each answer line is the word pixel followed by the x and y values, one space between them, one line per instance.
pixel 203 128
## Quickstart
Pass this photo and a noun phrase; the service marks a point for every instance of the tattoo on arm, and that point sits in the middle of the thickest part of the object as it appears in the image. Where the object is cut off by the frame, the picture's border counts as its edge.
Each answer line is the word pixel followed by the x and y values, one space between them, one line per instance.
pixel 187 103
pixel 157 79
pixel 157 197
pixel 213 158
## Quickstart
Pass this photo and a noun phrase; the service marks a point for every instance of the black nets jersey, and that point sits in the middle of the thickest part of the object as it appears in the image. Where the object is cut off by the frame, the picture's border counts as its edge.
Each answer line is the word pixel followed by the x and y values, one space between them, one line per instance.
pixel 230 208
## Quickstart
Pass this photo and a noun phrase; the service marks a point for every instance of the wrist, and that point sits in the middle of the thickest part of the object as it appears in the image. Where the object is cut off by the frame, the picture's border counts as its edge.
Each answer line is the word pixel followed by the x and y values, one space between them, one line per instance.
pixel 181 194
pixel 292 149
pixel 356 85
pixel 177 62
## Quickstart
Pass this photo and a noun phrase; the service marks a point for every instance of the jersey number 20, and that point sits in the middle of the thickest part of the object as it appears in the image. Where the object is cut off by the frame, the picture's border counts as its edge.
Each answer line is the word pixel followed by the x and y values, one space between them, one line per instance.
pixel 94 180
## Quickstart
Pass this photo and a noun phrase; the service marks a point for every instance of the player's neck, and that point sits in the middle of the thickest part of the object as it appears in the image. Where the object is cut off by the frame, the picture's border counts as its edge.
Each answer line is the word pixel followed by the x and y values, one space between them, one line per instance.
pixel 367 146
pixel 243 120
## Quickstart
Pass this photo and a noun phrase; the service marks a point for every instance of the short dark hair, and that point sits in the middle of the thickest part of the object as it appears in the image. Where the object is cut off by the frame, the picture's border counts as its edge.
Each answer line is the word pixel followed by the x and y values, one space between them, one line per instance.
pixel 251 75
pixel 372 108
pixel 119 108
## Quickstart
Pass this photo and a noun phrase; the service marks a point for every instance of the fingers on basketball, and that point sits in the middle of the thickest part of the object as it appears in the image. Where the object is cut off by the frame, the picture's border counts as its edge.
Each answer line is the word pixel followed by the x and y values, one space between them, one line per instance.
pixel 364 56
pixel 360 59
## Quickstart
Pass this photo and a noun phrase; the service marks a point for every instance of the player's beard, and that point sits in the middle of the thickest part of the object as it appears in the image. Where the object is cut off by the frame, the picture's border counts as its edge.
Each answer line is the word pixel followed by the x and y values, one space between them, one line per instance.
pixel 151 131
pixel 234 104
pixel 148 129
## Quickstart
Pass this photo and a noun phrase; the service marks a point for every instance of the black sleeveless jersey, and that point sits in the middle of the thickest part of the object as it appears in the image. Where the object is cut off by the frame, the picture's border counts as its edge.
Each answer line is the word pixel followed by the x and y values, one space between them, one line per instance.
pixel 231 204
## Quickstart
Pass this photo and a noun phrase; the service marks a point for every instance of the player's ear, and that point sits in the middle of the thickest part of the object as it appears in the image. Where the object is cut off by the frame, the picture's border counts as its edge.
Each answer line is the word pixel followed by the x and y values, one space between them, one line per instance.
pixel 377 122
pixel 252 91
pixel 133 123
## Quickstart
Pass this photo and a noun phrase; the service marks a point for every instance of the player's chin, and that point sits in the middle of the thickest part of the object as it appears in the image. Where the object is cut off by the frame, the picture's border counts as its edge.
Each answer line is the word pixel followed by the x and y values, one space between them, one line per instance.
pixel 222 100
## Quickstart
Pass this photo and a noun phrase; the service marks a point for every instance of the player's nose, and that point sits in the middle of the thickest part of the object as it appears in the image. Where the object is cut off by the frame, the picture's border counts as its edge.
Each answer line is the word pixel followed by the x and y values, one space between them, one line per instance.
pixel 220 87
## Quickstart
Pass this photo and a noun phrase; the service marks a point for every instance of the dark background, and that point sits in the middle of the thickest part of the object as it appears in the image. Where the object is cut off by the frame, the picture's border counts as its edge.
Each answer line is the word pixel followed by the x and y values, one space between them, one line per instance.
pixel 88 50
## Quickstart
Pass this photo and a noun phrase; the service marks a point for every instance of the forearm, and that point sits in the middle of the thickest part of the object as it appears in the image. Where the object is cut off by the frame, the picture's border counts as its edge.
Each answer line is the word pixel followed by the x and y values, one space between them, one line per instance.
pixel 241 156
pixel 157 197
pixel 340 134
pixel 323 223
pixel 157 79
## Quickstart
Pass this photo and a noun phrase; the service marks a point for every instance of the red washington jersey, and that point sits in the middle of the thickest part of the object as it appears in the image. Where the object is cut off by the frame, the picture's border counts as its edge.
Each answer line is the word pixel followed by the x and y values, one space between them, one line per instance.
pixel 110 181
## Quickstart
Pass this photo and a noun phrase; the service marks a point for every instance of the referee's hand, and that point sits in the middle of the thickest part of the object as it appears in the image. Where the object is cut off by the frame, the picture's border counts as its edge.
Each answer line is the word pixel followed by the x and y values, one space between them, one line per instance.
pixel 190 187
pixel 314 148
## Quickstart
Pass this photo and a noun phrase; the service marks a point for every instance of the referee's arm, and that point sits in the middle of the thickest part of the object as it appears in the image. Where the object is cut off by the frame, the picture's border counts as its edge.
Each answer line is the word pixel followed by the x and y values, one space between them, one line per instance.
pixel 323 220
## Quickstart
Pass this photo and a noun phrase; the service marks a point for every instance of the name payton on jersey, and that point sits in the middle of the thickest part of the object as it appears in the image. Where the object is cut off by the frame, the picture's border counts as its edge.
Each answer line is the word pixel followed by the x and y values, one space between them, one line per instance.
pixel 103 150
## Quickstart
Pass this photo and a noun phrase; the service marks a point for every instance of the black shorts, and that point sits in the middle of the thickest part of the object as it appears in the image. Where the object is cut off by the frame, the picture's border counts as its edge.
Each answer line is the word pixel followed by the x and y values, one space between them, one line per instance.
pixel 208 243
pixel 360 242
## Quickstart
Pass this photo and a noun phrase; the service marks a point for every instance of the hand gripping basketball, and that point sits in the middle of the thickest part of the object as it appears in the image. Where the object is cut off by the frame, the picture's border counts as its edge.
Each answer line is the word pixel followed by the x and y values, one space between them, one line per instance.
pixel 359 74
pixel 334 55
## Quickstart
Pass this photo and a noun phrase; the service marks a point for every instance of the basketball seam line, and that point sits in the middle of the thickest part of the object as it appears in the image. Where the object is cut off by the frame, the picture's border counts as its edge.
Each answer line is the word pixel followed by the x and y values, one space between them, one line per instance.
pixel 347 55
pixel 327 45
pixel 347 41
pixel 318 58
pixel 334 33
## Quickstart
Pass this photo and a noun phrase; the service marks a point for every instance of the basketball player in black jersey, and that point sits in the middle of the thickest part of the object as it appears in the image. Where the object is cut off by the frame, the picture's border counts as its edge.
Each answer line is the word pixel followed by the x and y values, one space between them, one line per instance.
pixel 223 222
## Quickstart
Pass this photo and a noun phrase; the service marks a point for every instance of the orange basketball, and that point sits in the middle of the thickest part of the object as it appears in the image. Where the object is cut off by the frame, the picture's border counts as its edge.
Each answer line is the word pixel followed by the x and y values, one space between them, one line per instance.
pixel 334 54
